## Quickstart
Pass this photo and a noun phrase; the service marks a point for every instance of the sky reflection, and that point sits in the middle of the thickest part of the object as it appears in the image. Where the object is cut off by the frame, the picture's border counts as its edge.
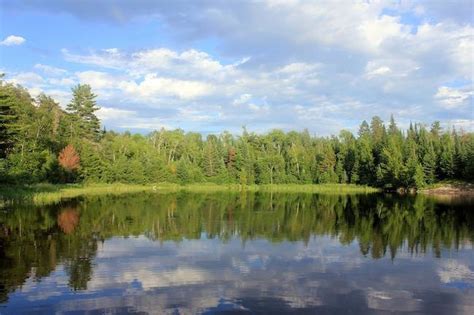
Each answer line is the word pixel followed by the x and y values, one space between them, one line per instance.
pixel 137 275
pixel 232 253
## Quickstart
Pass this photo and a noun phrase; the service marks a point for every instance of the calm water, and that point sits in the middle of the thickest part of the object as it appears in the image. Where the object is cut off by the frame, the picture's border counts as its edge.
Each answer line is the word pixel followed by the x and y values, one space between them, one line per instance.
pixel 251 253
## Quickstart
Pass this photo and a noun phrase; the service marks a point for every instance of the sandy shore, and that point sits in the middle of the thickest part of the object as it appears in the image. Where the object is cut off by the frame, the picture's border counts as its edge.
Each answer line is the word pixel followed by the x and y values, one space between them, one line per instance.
pixel 451 189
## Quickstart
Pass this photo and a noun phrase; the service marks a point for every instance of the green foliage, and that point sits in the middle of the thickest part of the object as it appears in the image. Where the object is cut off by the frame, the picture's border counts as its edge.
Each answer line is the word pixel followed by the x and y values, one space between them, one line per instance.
pixel 82 107
pixel 446 158
pixel 33 132
pixel 418 177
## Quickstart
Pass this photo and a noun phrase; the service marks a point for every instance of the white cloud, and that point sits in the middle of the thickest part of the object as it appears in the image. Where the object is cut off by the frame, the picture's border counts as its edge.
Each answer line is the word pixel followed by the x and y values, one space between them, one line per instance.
pixel 12 40
pixel 111 113
pixel 63 97
pixel 97 80
pixel 108 58
pixel 451 98
pixel 163 60
pixel 376 31
pixel 28 79
pixel 68 82
pixel 154 86
pixel 242 99
pixel 379 71
pixel 50 70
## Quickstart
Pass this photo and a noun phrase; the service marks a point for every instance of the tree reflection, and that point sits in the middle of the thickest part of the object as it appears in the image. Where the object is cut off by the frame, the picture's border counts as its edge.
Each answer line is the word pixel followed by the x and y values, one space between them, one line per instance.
pixel 68 220
pixel 34 241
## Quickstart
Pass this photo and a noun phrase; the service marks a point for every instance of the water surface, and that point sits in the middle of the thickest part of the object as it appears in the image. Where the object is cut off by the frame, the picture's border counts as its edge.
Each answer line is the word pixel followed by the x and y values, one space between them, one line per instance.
pixel 250 253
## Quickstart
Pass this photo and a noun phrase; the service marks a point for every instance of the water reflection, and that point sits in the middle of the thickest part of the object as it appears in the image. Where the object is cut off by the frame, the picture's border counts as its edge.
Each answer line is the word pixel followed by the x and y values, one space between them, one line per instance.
pixel 198 253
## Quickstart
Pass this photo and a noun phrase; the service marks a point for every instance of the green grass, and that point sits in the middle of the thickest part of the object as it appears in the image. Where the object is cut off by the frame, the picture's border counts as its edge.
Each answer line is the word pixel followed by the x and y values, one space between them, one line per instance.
pixel 301 188
pixel 47 193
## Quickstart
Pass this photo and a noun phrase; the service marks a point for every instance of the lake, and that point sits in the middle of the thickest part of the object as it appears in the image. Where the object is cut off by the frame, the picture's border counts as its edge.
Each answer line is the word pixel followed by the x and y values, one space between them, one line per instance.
pixel 188 253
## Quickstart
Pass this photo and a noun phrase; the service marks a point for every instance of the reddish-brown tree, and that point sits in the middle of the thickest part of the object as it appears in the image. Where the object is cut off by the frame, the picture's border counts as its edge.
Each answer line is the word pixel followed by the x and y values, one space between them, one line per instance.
pixel 69 159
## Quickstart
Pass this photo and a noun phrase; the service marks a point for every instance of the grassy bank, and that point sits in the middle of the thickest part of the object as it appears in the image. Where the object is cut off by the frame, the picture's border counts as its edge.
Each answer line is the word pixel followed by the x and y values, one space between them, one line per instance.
pixel 306 188
pixel 48 193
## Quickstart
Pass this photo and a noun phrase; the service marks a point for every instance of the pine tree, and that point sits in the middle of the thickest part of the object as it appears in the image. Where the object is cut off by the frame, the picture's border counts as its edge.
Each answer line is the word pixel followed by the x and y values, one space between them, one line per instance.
pixel 212 161
pixel 460 154
pixel 182 172
pixel 419 177
pixel 378 135
pixel 340 172
pixel 392 164
pixel 429 164
pixel 392 127
pixel 83 107
pixel 364 129
pixel 469 168
pixel 366 163
pixel 446 158
pixel 9 124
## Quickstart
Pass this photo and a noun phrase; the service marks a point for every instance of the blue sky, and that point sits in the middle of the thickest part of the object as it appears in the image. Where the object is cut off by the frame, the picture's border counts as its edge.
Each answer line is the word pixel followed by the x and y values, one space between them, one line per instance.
pixel 210 66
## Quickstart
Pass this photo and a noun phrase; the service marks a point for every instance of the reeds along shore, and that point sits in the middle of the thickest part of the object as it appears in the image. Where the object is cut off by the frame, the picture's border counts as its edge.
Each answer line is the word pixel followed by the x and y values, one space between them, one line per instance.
pixel 47 193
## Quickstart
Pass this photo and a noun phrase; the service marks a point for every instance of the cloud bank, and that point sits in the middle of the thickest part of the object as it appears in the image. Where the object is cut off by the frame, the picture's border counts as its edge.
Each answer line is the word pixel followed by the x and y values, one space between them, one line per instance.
pixel 272 64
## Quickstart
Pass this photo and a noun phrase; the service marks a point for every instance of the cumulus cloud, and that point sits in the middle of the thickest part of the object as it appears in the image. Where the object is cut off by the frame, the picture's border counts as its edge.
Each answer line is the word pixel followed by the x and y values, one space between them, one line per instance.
pixel 454 97
pixel 295 64
pixel 28 79
pixel 154 86
pixel 110 113
pixel 50 70
pixel 12 40
pixel 97 80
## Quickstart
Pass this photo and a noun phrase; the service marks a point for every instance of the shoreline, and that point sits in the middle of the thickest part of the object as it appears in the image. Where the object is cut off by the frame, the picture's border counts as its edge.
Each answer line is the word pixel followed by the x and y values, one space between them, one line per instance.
pixel 449 189
pixel 50 193
pixel 42 194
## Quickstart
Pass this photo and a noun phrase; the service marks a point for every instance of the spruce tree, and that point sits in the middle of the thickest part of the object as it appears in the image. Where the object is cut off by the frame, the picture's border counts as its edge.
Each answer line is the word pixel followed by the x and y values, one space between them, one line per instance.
pixel 446 158
pixel 429 164
pixel 419 177
pixel 83 107
pixel 8 118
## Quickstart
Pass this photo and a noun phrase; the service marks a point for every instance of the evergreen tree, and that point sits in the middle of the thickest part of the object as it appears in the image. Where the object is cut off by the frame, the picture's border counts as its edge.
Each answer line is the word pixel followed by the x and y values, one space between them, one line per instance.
pixel 429 164
pixel 11 98
pixel 83 107
pixel 446 158
pixel 419 177
pixel 364 129
pixel 366 163
pixel 213 162
pixel 460 154
pixel 392 163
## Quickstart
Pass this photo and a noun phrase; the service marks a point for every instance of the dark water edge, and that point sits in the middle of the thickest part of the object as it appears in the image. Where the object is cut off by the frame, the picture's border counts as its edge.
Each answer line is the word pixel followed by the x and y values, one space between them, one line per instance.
pixel 187 253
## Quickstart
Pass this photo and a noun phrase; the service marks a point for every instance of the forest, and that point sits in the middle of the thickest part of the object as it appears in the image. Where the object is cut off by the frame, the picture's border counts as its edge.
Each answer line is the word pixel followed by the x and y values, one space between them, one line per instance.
pixel 41 142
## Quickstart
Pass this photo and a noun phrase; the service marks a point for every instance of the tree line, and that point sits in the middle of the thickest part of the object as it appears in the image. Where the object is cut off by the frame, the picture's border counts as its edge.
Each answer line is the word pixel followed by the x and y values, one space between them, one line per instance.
pixel 41 142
